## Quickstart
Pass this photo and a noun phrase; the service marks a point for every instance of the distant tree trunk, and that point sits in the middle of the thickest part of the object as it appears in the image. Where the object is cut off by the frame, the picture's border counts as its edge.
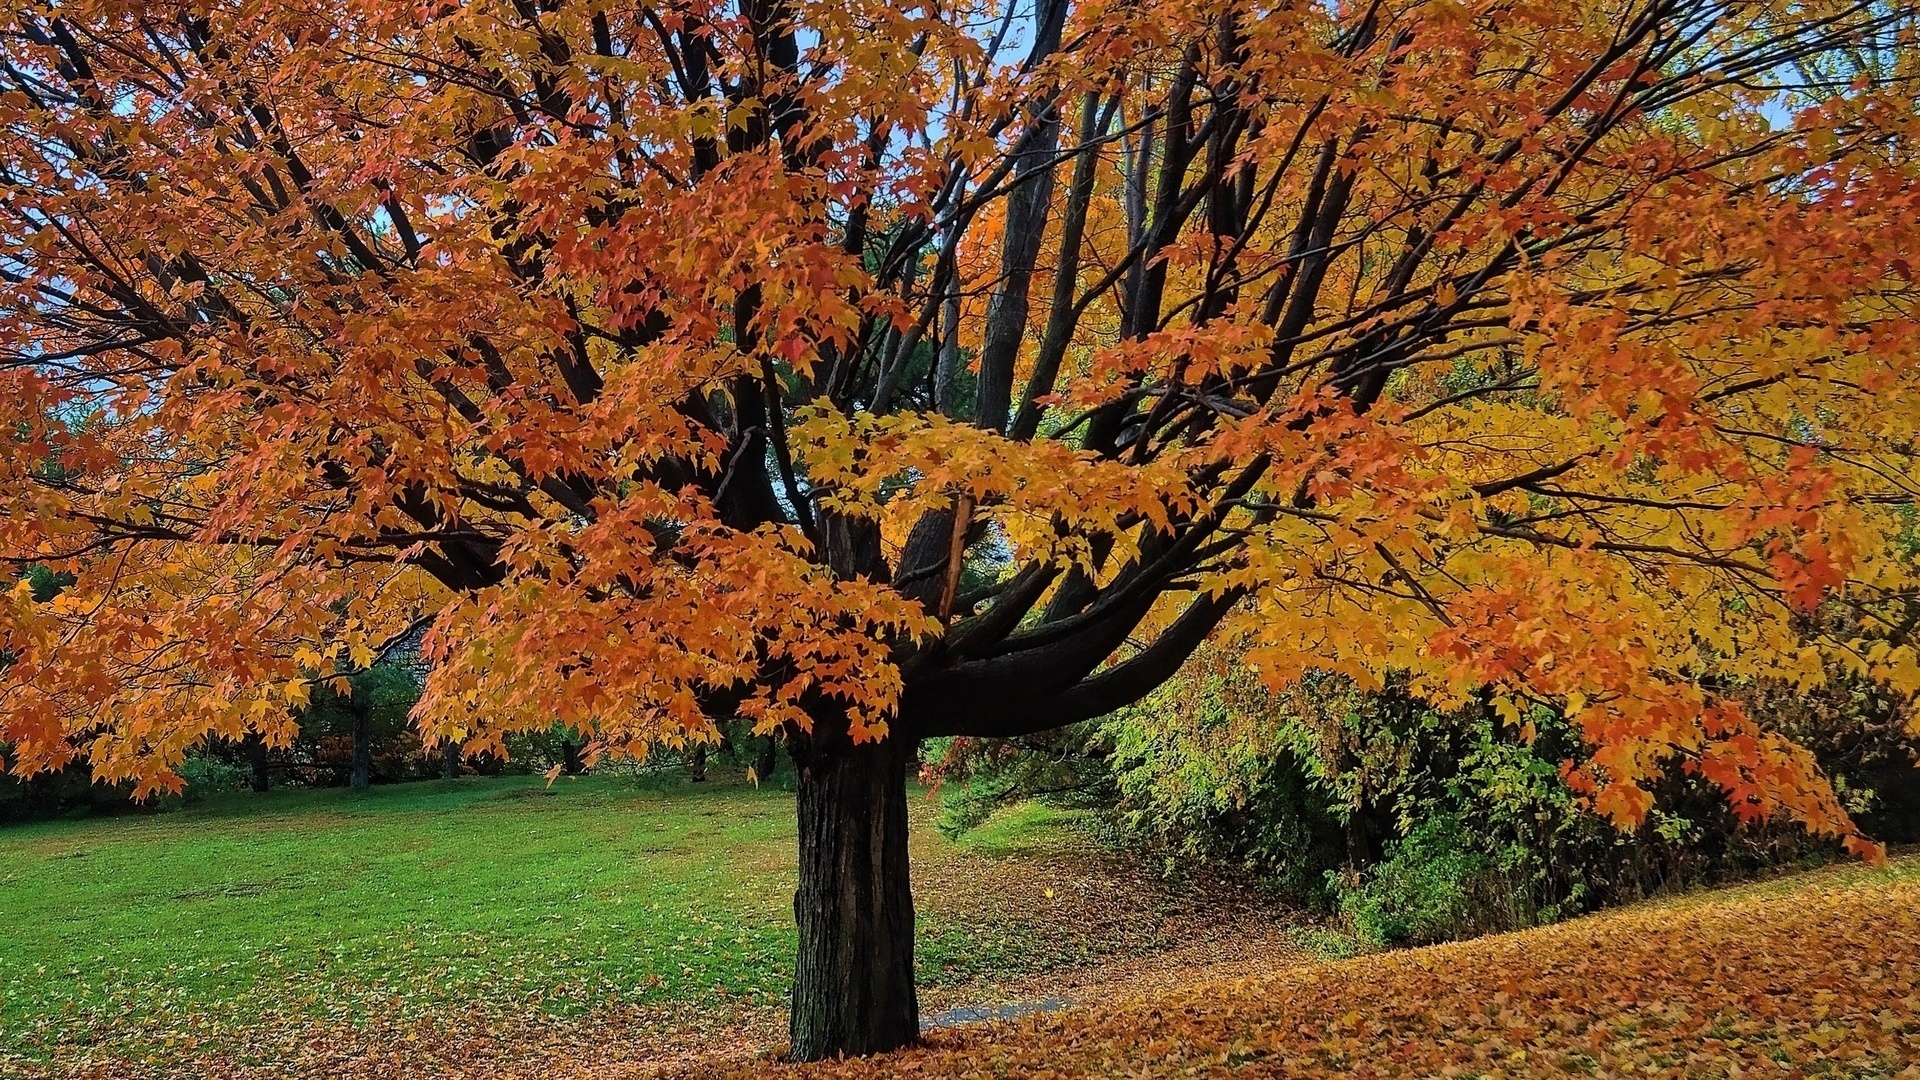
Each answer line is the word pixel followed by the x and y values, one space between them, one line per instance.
pixel 697 763
pixel 947 361
pixel 571 762
pixel 256 747
pixel 769 759
pixel 362 743
pixel 853 987
pixel 449 760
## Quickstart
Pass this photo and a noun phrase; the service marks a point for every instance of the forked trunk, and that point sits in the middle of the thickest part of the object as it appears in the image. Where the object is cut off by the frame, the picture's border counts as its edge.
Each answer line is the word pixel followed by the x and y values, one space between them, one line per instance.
pixel 853 986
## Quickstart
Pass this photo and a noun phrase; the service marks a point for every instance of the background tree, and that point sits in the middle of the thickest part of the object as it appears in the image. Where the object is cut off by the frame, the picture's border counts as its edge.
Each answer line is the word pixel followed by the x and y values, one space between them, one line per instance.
pixel 677 360
pixel 259 774
pixel 347 725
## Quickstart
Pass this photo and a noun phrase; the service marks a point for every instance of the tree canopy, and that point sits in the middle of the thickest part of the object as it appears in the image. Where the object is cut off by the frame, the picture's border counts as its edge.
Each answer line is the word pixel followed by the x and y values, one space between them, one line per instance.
pixel 864 368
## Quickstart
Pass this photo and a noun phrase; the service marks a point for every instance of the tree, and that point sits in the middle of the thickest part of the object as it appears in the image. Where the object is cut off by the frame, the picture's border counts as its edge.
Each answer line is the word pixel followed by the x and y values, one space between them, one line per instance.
pixel 259 778
pixel 874 371
pixel 361 709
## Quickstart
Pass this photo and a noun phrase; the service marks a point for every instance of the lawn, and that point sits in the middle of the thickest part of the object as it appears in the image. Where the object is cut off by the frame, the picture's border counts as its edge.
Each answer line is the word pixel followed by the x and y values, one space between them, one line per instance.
pixel 419 895
pixel 234 929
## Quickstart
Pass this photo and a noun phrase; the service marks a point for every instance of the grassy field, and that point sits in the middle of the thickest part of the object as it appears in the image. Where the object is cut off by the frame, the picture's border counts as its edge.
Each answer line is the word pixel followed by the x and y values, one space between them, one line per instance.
pixel 479 900
pixel 429 893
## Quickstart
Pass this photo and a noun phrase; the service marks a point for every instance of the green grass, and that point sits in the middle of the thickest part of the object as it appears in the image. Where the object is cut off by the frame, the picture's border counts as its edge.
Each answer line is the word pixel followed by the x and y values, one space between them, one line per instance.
pixel 1032 828
pixel 426 897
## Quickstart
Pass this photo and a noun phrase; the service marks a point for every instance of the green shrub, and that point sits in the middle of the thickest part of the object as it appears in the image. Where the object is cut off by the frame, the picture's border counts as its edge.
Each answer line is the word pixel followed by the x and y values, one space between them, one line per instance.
pixel 1418 824
pixel 208 775
pixel 1432 887
pixel 1203 776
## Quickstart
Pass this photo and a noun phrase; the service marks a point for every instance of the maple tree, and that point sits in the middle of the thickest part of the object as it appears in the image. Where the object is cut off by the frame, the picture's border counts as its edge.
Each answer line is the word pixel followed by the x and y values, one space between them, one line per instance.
pixel 876 371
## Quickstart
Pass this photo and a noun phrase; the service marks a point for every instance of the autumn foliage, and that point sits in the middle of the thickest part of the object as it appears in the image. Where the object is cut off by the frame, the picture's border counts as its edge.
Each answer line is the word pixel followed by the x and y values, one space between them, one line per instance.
pixel 1810 979
pixel 860 368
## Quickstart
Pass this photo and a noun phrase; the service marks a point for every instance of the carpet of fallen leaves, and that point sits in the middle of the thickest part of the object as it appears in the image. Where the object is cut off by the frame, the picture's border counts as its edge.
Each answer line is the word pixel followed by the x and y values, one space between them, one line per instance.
pixel 1819 978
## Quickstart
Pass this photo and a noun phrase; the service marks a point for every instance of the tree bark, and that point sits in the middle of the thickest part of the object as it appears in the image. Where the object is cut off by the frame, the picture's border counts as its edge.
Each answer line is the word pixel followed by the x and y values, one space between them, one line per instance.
pixel 947 360
pixel 697 763
pixel 450 760
pixel 362 744
pixel 256 745
pixel 853 987
pixel 769 759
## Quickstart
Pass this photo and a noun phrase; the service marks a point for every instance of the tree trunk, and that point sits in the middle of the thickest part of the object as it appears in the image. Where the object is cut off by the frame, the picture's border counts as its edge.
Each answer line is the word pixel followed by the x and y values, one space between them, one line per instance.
pixel 769 759
pixel 571 762
pixel 362 745
pixel 697 763
pixel 449 760
pixel 257 760
pixel 853 985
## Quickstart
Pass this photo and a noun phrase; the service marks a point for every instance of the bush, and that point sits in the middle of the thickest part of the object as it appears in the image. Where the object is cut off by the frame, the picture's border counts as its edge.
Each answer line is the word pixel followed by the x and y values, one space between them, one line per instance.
pixel 63 792
pixel 1305 789
pixel 1432 887
pixel 1419 825
pixel 207 775
pixel 1209 772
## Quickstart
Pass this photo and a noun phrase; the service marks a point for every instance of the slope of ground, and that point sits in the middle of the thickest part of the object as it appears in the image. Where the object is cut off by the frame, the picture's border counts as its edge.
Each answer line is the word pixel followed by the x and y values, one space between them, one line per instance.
pixel 1812 976
pixel 500 927
pixel 613 930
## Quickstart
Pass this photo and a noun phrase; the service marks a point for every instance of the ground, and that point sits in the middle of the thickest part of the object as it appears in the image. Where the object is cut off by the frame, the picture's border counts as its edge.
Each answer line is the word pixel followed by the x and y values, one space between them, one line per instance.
pixel 615 929
pixel 505 927
pixel 1817 975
